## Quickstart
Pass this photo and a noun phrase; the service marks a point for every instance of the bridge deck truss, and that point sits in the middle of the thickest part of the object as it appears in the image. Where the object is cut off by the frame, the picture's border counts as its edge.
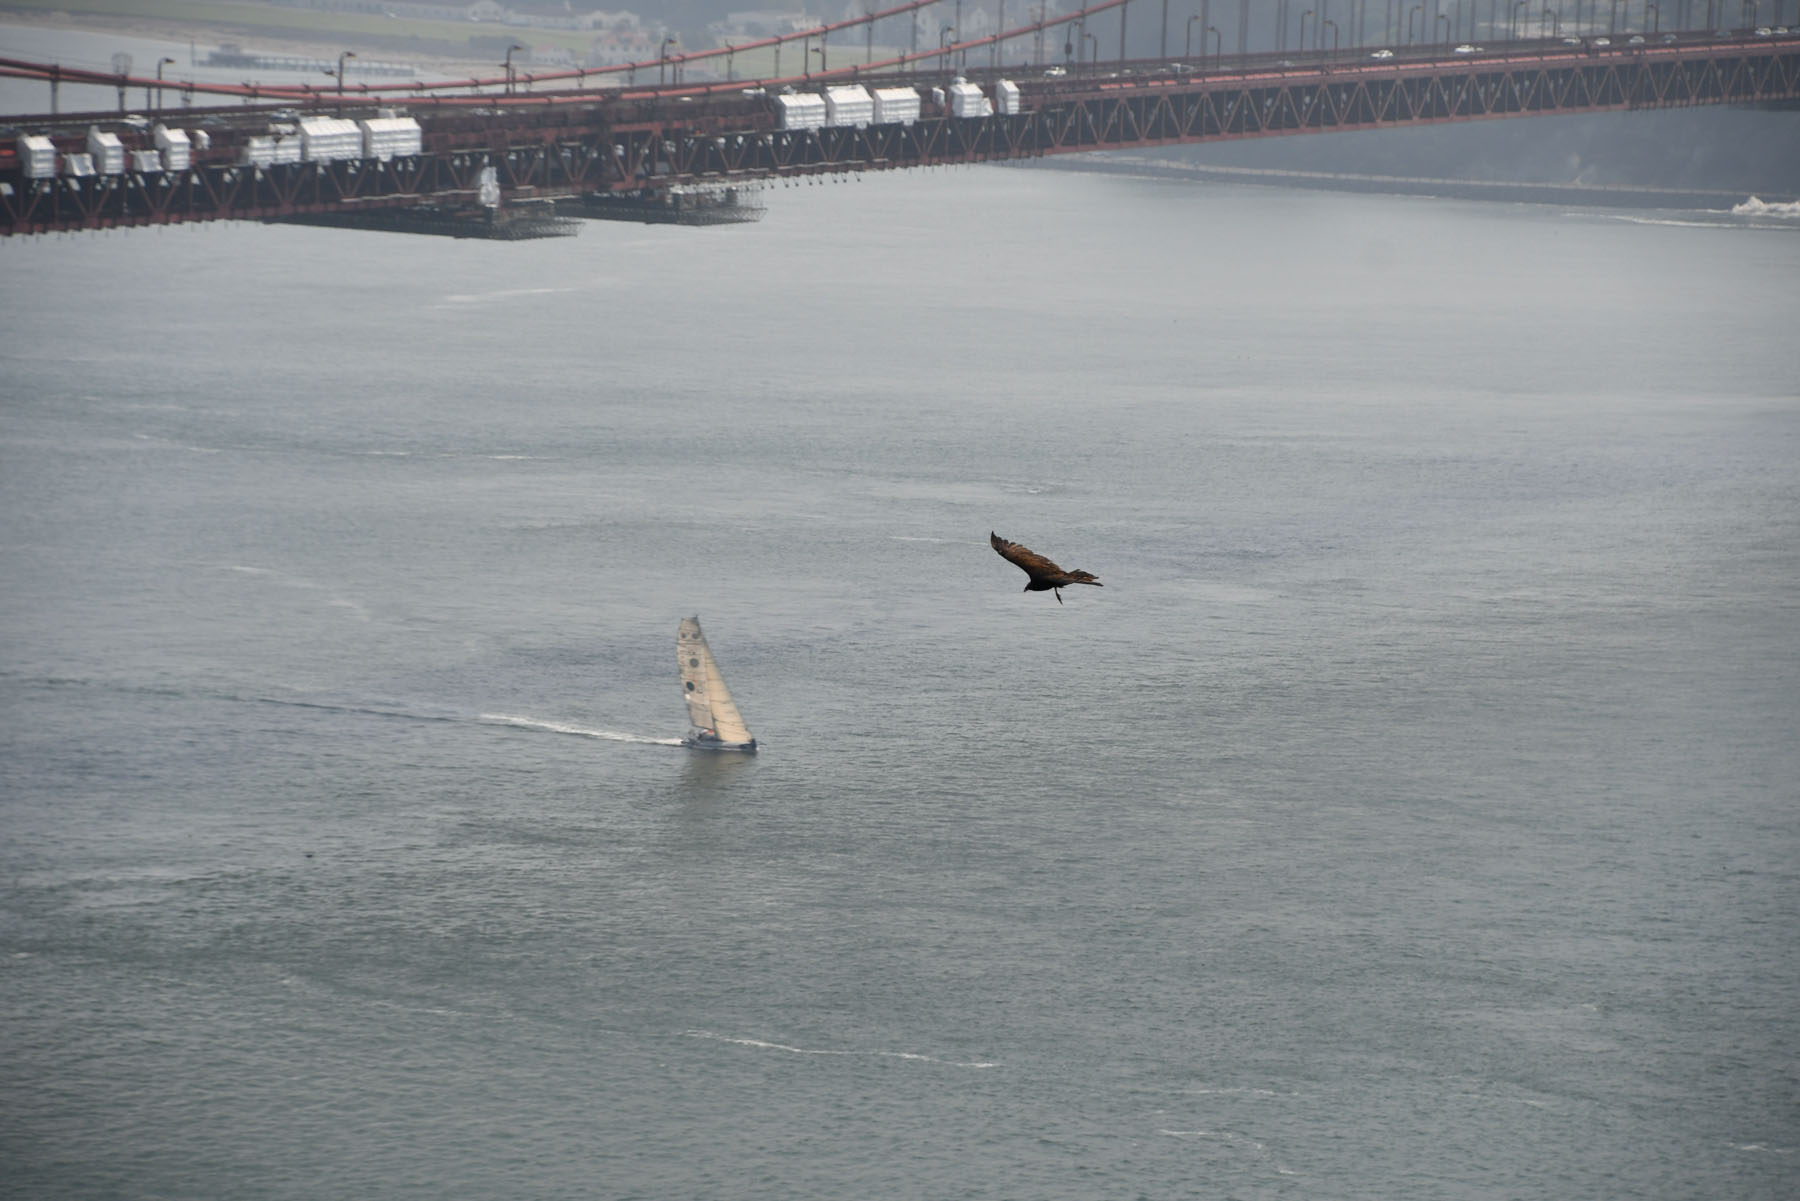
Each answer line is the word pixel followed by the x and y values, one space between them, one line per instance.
pixel 554 146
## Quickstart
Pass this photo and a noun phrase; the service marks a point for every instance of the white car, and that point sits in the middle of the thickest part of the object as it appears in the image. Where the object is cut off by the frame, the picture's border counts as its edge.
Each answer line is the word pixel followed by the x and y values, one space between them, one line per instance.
pixel 1602 41
pixel 1465 48
pixel 1382 54
pixel 1635 40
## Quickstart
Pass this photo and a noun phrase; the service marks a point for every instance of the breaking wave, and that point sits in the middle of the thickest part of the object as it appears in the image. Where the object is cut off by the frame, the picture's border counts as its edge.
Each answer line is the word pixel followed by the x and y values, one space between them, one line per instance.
pixel 763 1045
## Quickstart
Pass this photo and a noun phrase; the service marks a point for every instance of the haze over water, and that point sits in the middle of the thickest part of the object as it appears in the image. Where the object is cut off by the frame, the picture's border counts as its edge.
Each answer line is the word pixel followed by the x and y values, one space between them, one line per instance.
pixel 1411 815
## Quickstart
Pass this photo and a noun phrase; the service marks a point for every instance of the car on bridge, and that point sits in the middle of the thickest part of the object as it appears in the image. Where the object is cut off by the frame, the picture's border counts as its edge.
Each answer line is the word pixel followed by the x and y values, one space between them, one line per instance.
pixel 1382 54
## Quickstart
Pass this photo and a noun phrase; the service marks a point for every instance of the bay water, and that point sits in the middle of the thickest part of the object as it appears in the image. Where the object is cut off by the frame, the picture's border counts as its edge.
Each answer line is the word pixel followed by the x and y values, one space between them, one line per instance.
pixel 1412 814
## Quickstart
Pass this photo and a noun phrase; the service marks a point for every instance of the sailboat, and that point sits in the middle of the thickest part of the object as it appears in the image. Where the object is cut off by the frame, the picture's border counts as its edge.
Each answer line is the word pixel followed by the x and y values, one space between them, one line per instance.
pixel 718 726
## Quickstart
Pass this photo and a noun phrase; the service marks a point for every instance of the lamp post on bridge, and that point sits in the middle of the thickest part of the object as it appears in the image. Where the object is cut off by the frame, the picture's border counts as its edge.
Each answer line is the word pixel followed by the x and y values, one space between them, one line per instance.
pixel 1094 53
pixel 1553 19
pixel 348 54
pixel 1417 10
pixel 157 107
pixel 1512 19
pixel 1164 51
pixel 1218 45
pixel 1334 35
pixel 1444 20
pixel 1187 45
pixel 1655 22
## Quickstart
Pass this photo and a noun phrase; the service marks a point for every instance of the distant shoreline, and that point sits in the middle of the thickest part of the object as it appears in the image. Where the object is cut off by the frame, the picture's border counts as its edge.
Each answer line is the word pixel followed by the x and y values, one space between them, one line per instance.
pixel 212 35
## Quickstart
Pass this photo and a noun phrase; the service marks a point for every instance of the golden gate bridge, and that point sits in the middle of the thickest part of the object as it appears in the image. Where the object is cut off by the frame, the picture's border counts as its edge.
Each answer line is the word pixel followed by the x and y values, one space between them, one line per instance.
pixel 515 154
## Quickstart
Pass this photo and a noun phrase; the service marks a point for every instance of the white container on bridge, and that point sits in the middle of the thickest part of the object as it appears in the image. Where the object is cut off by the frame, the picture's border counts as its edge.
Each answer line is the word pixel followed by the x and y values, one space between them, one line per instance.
pixel 895 106
pixel 849 104
pixel 147 162
pixel 967 100
pixel 329 139
pixel 1006 98
pixel 288 149
pixel 38 156
pixel 79 166
pixel 391 137
pixel 801 110
pixel 177 150
pixel 108 152
pixel 259 151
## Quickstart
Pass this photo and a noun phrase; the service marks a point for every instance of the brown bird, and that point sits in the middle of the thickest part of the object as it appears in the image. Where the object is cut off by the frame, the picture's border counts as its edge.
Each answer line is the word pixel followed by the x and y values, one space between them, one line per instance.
pixel 1045 575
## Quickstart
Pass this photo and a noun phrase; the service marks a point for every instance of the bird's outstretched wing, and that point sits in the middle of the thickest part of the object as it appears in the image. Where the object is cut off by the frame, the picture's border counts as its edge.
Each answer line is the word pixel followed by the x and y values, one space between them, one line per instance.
pixel 1029 561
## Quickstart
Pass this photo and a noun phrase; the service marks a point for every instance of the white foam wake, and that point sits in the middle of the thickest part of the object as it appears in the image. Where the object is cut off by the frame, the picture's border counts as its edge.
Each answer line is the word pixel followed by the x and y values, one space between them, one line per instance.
pixel 557 727
pixel 762 1045
pixel 1755 207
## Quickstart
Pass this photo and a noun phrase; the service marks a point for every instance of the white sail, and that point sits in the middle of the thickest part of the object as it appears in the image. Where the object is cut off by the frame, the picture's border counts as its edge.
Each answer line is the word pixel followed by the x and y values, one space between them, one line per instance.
pixel 709 702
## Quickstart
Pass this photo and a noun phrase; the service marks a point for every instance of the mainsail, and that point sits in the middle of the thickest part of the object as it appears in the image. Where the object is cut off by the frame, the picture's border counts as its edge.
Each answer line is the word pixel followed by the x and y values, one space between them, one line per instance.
pixel 709 702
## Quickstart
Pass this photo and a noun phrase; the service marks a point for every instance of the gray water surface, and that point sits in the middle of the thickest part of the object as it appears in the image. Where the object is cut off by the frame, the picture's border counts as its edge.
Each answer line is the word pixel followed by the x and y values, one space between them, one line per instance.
pixel 1411 815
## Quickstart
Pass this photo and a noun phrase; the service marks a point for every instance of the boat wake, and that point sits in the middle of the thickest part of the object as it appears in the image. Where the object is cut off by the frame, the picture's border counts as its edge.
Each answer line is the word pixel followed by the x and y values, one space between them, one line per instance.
pixel 557 727
pixel 1755 207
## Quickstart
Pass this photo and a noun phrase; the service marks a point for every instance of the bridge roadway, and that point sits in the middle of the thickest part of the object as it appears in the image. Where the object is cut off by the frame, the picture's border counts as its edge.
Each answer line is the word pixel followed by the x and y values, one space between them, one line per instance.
pixel 641 142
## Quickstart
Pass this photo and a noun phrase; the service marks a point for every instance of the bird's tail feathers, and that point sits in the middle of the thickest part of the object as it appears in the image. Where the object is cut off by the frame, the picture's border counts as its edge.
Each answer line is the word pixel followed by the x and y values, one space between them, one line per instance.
pixel 1084 577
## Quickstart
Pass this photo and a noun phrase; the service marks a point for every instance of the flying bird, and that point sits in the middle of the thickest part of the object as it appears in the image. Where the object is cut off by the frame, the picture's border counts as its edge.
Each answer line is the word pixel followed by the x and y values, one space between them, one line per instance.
pixel 1045 575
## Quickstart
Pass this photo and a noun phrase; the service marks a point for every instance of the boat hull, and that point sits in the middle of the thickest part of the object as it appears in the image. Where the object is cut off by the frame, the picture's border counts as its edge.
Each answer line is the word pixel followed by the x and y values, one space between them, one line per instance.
pixel 701 742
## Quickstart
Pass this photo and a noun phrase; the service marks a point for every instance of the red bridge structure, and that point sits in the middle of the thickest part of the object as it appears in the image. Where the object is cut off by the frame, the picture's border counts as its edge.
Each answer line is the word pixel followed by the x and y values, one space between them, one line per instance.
pixel 521 154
